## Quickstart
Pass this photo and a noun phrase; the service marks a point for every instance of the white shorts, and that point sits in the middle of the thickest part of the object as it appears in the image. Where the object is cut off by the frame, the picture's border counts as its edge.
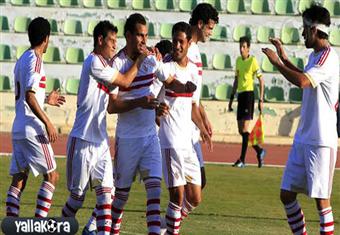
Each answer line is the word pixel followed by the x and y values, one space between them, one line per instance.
pixel 180 166
pixel 198 152
pixel 33 153
pixel 136 154
pixel 87 162
pixel 310 170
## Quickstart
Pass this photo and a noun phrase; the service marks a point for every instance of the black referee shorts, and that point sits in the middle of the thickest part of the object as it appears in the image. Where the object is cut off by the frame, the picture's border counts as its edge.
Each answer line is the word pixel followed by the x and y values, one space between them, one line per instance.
pixel 245 107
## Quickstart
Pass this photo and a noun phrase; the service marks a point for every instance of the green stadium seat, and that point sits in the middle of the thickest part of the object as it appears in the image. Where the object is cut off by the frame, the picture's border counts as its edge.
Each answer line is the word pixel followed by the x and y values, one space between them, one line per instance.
pixel 295 95
pixel 72 27
pixel 223 91
pixel 274 94
pixel 5 84
pixel 260 7
pixel 334 37
pixel 151 30
pixel 290 35
pixel 2 1
pixel 92 3
pixel 20 2
pixel 165 31
pixel 333 6
pixel 119 23
pixel 21 24
pixel 54 26
pixel 236 7
pixel 116 4
pixel 304 4
pixel 264 33
pixel 205 93
pixel 90 26
pixel 221 61
pixel 72 85
pixel 141 5
pixel 165 5
pixel 284 7
pixel 268 67
pixel 52 55
pixel 219 33
pixel 44 3
pixel 52 84
pixel 187 5
pixel 298 62
pixel 74 55
pixel 5 52
pixel 20 50
pixel 215 3
pixel 204 60
pixel 69 3
pixel 240 31
pixel 4 26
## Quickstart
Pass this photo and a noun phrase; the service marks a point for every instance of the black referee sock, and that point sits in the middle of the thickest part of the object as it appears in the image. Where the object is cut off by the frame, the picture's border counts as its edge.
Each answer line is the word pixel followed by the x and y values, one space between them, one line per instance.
pixel 245 137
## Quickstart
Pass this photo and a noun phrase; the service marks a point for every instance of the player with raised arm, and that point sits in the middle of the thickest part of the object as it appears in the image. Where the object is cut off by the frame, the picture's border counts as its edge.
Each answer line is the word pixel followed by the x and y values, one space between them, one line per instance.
pixel 32 130
pixel 311 162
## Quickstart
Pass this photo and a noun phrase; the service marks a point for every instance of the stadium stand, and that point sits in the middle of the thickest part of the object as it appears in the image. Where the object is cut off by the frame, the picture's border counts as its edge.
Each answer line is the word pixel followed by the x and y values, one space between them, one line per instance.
pixel 223 92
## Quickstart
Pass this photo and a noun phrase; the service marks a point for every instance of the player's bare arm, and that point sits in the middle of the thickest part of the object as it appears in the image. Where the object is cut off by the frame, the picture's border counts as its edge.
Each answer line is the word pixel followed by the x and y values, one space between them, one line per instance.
pixel 178 87
pixel 125 80
pixel 282 54
pixel 261 82
pixel 196 118
pixel 55 99
pixel 297 78
pixel 117 105
pixel 205 119
pixel 33 104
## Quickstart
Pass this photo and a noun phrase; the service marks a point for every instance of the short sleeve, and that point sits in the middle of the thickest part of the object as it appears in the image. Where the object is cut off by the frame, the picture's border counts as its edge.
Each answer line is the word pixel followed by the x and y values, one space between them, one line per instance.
pixel 256 68
pixel 102 72
pixel 33 73
pixel 163 71
pixel 322 70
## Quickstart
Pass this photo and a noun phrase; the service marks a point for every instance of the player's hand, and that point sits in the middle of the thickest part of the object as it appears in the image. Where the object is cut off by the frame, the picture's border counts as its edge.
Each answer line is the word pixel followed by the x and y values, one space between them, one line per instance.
pixel 230 106
pixel 260 106
pixel 279 48
pixel 162 109
pixel 207 139
pixel 149 102
pixel 208 126
pixel 190 87
pixel 272 56
pixel 55 99
pixel 51 133
pixel 157 54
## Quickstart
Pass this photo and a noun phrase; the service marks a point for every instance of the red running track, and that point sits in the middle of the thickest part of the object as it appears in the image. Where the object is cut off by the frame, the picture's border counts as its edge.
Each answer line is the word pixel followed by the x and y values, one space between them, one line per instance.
pixel 223 152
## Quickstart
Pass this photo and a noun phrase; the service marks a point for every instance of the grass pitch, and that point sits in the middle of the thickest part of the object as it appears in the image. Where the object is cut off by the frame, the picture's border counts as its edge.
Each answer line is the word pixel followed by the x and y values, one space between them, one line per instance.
pixel 235 201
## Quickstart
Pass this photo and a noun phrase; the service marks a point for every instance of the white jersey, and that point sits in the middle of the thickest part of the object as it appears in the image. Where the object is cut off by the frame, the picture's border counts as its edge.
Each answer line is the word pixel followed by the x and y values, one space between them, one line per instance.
pixel 175 128
pixel 195 57
pixel 319 103
pixel 137 122
pixel 29 75
pixel 95 85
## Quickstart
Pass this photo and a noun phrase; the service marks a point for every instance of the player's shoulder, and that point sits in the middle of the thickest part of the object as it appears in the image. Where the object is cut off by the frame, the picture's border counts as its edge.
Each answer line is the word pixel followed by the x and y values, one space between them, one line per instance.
pixel 30 58
pixel 97 60
pixel 328 56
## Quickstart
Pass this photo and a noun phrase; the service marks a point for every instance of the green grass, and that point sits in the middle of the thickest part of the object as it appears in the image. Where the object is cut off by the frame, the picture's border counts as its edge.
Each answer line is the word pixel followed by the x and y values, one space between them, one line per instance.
pixel 235 201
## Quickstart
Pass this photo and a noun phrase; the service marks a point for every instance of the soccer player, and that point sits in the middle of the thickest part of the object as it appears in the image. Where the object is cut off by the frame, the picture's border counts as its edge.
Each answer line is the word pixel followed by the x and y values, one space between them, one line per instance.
pixel 32 130
pixel 181 167
pixel 137 143
pixel 246 68
pixel 88 154
pixel 311 162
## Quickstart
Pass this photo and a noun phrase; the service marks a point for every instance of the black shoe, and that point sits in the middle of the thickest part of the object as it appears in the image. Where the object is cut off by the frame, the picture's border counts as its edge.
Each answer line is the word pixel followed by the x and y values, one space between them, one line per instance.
pixel 239 164
pixel 260 158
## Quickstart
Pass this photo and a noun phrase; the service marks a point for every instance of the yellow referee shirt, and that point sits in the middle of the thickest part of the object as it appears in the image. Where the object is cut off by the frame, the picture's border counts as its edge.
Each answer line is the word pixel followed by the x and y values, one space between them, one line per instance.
pixel 245 71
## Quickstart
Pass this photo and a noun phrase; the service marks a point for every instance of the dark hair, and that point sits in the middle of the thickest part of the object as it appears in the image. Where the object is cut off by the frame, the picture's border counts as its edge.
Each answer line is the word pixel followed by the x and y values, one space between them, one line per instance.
pixel 132 21
pixel 320 15
pixel 164 47
pixel 245 39
pixel 102 29
pixel 38 30
pixel 204 12
pixel 182 27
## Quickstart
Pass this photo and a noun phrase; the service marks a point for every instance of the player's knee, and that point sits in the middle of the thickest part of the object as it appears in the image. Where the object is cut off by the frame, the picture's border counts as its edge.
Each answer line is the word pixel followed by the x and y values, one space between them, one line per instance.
pixel 195 200
pixel 287 197
pixel 52 177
